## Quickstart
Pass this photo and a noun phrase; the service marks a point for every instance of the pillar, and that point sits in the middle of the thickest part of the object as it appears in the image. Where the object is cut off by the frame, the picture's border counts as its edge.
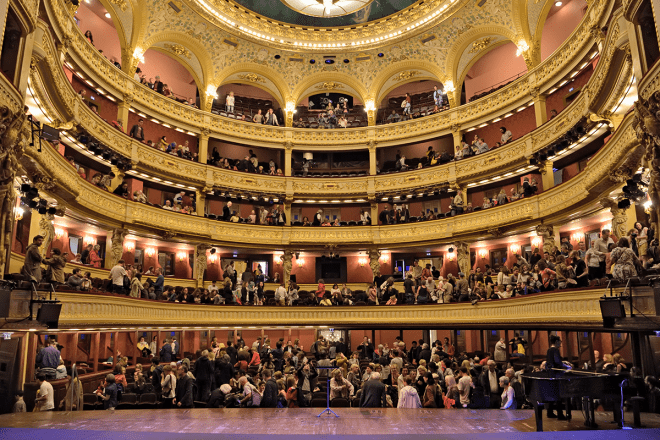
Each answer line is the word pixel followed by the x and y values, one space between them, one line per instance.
pixel 548 176
pixel 374 213
pixel 287 211
pixel 457 133
pixel 288 149
pixel 203 146
pixel 372 158
pixel 201 201
pixel 540 109
pixel 122 113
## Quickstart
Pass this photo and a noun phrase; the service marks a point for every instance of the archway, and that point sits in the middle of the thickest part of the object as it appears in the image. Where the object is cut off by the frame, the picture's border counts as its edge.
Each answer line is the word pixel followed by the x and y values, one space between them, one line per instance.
pixel 249 98
pixel 493 70
pixel 102 23
pixel 179 77
pixel 558 25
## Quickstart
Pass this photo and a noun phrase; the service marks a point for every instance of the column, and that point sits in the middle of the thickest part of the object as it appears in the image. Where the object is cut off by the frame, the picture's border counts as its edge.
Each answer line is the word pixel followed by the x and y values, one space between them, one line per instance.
pixel 374 213
pixel 203 146
pixel 200 203
pixel 372 158
pixel 547 174
pixel 540 109
pixel 200 264
pixel 115 252
pixel 287 210
pixel 372 112
pixel 288 149
pixel 457 133
pixel 122 113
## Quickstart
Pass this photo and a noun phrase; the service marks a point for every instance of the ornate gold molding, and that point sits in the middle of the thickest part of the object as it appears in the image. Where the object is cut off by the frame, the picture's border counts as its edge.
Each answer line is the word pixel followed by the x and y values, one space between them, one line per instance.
pixel 178 50
pixel 480 45
pixel 329 85
pixel 406 75
pixel 252 77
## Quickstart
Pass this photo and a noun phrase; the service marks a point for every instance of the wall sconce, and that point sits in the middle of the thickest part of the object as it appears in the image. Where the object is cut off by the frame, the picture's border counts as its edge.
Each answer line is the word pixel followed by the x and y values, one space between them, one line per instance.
pixel 451 256
pixel 89 240
pixel 449 87
pixel 577 236
pixel 182 256
pixel 150 252
pixel 291 107
pixel 514 248
pixel 212 91
pixel 362 261
pixel 213 258
pixel 537 242
pixel 18 213
pixel 483 253
pixel 522 47
pixel 369 106
pixel 59 232
pixel 138 54
pixel 130 246
pixel 300 262
pixel 385 258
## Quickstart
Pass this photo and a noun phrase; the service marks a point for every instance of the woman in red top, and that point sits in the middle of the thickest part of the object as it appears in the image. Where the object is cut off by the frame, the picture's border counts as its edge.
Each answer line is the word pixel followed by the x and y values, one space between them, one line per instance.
pixel 320 291
pixel 94 258
pixel 547 277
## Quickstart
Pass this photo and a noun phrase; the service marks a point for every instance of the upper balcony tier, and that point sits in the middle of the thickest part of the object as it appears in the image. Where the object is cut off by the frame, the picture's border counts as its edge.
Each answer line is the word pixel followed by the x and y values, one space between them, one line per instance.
pixel 539 81
pixel 605 89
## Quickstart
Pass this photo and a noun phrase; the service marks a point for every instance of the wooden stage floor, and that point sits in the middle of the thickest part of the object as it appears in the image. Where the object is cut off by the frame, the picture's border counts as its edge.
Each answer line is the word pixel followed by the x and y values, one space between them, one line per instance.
pixel 302 423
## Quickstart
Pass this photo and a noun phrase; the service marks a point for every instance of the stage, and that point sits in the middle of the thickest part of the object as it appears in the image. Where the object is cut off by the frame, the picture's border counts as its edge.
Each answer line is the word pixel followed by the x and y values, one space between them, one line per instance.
pixel 298 423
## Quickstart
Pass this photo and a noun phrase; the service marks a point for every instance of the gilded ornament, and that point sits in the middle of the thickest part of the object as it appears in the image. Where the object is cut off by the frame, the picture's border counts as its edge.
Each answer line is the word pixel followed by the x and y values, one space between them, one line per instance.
pixel 480 45
pixel 121 4
pixel 329 86
pixel 406 75
pixel 252 77
pixel 178 50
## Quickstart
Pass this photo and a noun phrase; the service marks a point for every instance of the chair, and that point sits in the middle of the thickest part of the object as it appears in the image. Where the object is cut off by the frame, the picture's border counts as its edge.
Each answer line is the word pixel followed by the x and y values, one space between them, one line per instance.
pixel 340 402
pixel 318 395
pixel 148 400
pixel 199 404
pixel 90 401
pixel 319 403
pixel 128 401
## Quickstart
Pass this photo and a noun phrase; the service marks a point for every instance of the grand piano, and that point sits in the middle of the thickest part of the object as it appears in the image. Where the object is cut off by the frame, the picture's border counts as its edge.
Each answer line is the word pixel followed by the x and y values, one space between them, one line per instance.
pixel 556 385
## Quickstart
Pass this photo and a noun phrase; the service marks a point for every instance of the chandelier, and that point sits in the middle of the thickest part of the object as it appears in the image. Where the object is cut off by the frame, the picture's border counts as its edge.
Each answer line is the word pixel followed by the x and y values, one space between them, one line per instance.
pixel 326 8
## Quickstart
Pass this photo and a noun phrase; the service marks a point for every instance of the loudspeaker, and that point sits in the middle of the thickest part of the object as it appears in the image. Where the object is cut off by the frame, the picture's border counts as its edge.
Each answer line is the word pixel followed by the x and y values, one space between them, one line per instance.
pixel 5 299
pixel 611 308
pixel 49 133
pixel 49 314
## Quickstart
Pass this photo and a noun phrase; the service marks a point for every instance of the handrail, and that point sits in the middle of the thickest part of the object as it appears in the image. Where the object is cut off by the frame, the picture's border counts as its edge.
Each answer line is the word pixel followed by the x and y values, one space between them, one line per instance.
pixel 506 158
pixel 516 94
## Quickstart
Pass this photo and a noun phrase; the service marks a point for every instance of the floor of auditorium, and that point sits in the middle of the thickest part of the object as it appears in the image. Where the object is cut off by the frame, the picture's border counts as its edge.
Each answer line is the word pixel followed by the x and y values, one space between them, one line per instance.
pixel 272 424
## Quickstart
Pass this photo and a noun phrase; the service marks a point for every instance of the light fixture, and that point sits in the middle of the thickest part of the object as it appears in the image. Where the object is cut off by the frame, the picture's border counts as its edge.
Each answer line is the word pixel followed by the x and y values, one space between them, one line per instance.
pixel 18 213
pixel 515 248
pixel 89 240
pixel 138 54
pixel 558 4
pixel 369 105
pixel 362 261
pixel 483 253
pixel 522 47
pixel 449 86
pixel 150 252
pixel 451 256
pixel 300 262
pixel 537 242
pixel 59 232
pixel 107 15
pixel 326 8
pixel 130 246
pixel 577 236
pixel 385 258
pixel 182 256
pixel 291 107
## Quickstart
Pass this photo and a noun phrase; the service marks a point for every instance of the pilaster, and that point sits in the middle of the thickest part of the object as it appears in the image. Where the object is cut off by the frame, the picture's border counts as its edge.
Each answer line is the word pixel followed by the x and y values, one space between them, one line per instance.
pixel 203 146
pixel 547 174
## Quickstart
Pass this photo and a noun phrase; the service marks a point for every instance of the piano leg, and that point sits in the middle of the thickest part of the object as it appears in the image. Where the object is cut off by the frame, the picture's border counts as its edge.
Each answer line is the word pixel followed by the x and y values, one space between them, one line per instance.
pixel 588 408
pixel 538 413
pixel 618 415
pixel 569 406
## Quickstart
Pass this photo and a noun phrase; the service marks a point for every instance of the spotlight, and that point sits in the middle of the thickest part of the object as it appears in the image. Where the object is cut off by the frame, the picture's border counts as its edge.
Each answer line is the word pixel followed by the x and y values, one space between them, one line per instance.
pixel 451 249
pixel 32 204
pixel 580 130
pixel 52 210
pixel 543 157
pixel 337 257
pixel 381 55
pixel 436 192
pixel 550 151
pixel 297 255
pixel 25 187
pixel 83 138
pixel 414 196
pixel 43 202
pixel 114 160
pixel 42 210
pixel 213 251
pixel 390 200
pixel 533 161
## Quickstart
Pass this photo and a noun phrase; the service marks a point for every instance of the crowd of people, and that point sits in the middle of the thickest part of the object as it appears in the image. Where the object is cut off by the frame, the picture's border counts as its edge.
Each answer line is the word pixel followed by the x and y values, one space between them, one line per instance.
pixel 284 375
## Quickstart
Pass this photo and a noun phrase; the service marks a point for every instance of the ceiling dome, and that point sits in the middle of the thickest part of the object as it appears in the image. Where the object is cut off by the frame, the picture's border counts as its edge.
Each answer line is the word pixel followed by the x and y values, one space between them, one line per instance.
pixel 325 13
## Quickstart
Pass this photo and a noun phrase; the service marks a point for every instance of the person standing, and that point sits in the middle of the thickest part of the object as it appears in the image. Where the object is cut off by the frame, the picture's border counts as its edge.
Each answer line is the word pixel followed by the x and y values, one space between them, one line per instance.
pixel 32 263
pixel 271 118
pixel 437 97
pixel 184 389
pixel 117 275
pixel 137 132
pixel 45 401
pixel 553 361
pixel 373 393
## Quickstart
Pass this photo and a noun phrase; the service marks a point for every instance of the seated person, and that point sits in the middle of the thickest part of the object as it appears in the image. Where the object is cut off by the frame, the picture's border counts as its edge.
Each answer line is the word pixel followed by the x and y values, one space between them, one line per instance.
pixel 393 117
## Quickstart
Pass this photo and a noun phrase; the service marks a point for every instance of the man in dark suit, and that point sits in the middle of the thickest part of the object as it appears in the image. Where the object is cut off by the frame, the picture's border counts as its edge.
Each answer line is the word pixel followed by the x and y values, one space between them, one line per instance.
pixel 341 347
pixel 553 360
pixel 490 382
pixel 166 352
pixel 226 212
pixel 366 349
pixel 425 353
pixel 231 351
pixel 269 398
pixel 184 389
pixel 384 216
pixel 373 393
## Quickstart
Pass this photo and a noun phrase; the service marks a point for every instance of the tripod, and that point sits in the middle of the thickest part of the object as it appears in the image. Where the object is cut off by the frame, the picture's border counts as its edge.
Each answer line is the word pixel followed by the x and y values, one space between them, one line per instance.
pixel 327 393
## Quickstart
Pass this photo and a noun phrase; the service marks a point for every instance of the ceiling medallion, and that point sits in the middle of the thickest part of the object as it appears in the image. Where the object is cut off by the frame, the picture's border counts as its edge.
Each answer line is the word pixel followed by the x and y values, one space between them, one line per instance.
pixel 480 45
pixel 252 77
pixel 329 86
pixel 178 49
pixel 406 75
pixel 326 8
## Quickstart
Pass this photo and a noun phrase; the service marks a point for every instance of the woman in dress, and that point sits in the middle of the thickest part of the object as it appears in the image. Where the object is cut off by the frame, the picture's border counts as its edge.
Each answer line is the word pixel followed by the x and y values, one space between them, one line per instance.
pixel 642 240
pixel 508 395
pixel 624 261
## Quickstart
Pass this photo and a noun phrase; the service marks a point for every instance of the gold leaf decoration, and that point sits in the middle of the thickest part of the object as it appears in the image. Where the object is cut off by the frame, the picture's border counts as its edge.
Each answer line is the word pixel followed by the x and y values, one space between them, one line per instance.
pixel 120 3
pixel 329 86
pixel 178 49
pixel 480 45
pixel 406 75
pixel 252 77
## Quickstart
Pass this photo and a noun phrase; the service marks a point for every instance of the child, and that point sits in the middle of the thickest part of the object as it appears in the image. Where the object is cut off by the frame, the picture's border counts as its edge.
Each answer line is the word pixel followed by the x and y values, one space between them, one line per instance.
pixel 19 405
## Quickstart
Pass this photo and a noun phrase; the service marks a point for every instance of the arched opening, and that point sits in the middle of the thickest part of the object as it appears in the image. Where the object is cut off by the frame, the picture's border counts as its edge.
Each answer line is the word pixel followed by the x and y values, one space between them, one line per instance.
pixel 559 24
pixel 174 75
pixel 312 110
pixel 493 71
pixel 248 100
pixel 92 16
pixel 422 102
